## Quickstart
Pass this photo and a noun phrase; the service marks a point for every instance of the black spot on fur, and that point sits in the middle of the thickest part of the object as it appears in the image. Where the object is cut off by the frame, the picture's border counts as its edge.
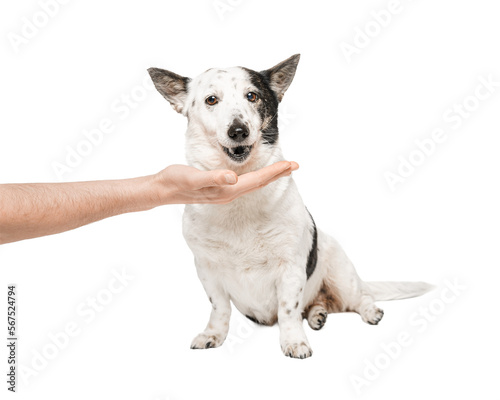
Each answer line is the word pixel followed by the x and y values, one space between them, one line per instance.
pixel 296 304
pixel 267 106
pixel 312 259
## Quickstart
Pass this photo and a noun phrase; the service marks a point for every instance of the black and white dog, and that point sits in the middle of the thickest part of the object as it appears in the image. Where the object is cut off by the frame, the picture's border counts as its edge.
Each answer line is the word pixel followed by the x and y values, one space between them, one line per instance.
pixel 262 251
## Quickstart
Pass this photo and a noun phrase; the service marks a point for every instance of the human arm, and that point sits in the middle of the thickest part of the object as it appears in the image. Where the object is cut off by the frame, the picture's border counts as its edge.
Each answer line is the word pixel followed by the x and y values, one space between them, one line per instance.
pixel 39 209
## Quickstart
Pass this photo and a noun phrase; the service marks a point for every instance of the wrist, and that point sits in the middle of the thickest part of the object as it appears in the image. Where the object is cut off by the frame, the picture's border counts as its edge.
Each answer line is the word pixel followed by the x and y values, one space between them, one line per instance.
pixel 162 191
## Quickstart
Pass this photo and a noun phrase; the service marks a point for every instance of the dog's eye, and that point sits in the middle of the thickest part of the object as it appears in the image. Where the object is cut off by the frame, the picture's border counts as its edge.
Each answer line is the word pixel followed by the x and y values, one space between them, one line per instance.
pixel 211 100
pixel 251 96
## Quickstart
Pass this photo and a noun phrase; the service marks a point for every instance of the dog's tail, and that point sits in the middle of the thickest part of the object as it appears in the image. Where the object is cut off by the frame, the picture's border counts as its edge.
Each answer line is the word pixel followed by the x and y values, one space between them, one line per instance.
pixel 397 290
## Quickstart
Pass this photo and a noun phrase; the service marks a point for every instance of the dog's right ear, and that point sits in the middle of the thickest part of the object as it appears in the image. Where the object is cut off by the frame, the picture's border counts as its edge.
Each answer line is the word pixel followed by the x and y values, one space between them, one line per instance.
pixel 171 86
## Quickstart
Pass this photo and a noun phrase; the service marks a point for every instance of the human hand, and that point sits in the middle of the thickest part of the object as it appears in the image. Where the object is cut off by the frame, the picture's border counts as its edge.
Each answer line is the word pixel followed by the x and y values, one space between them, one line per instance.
pixel 180 184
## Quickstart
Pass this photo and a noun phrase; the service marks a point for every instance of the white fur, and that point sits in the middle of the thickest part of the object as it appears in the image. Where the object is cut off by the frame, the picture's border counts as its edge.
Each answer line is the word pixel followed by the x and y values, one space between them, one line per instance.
pixel 253 252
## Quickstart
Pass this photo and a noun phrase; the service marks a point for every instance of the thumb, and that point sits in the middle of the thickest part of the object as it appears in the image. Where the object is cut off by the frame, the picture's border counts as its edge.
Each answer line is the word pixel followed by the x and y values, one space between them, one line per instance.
pixel 226 177
pixel 219 177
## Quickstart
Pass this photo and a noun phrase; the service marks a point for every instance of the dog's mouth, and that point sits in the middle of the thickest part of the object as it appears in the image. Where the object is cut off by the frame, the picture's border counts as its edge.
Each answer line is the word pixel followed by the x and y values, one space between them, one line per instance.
pixel 238 153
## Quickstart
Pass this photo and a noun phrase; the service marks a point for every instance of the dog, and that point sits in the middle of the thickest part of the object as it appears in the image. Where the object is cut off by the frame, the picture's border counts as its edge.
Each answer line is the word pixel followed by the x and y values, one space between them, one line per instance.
pixel 262 252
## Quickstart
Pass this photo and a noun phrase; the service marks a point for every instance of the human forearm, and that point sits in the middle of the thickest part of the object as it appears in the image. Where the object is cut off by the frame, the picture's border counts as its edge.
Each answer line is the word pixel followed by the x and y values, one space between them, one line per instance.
pixel 32 210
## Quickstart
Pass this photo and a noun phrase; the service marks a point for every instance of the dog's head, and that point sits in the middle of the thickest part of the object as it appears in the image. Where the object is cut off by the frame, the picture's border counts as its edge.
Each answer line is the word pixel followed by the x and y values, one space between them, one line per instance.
pixel 232 112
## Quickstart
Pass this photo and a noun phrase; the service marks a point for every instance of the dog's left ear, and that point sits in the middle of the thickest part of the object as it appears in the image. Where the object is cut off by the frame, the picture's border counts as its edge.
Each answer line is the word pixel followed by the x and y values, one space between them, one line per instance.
pixel 171 86
pixel 280 76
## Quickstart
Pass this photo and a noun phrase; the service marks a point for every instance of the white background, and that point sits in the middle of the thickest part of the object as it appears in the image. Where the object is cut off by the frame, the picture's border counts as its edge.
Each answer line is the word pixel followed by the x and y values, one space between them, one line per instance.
pixel 346 124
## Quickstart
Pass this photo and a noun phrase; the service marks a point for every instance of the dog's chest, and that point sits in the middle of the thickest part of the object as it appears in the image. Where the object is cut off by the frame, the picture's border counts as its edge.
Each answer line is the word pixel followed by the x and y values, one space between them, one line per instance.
pixel 244 252
pixel 239 243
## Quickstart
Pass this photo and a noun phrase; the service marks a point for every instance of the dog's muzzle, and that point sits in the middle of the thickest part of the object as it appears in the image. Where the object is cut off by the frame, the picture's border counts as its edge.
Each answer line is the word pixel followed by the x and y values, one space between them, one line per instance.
pixel 238 132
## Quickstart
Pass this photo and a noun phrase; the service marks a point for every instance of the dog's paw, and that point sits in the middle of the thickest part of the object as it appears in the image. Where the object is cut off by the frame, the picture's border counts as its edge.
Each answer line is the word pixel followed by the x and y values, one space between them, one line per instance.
pixel 207 340
pixel 372 315
pixel 296 349
pixel 317 317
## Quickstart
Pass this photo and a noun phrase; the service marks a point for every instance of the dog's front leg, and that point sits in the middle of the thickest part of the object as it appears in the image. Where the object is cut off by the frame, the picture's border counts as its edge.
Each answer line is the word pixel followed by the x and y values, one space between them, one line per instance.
pixel 218 326
pixel 290 290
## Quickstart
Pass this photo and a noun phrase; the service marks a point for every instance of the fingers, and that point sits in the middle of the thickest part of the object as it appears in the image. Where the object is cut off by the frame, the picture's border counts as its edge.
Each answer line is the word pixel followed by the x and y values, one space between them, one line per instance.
pixel 265 175
pixel 257 178
pixel 272 170
pixel 248 188
pixel 260 177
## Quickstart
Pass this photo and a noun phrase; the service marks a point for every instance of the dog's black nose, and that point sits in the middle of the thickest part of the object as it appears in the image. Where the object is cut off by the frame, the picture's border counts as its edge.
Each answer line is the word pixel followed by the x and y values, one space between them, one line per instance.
pixel 238 132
